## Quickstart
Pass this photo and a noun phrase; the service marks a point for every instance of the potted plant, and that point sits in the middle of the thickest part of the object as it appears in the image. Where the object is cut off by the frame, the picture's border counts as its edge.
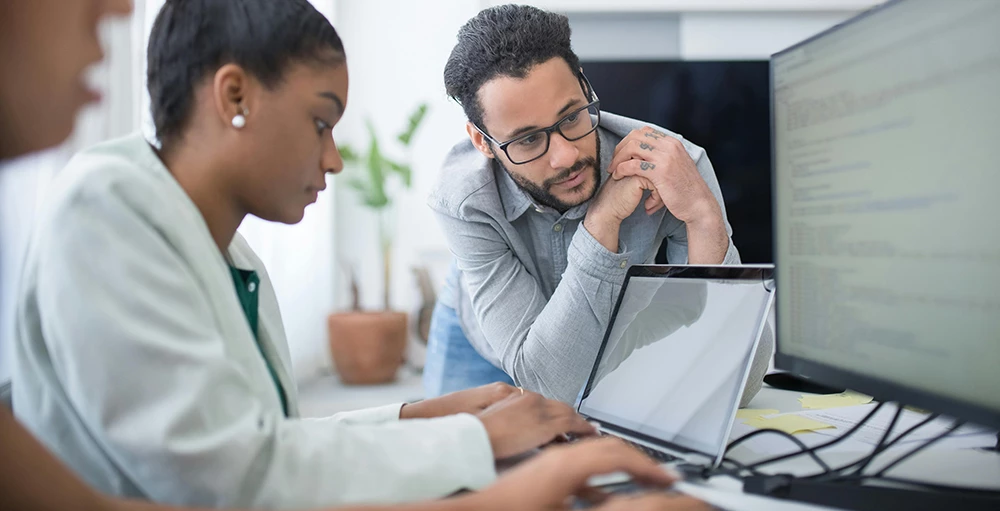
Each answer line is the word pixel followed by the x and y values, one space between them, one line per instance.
pixel 369 346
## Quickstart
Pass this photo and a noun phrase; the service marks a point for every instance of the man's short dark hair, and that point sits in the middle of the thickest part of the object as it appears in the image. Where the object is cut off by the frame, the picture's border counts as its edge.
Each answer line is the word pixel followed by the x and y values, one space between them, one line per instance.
pixel 506 40
pixel 191 39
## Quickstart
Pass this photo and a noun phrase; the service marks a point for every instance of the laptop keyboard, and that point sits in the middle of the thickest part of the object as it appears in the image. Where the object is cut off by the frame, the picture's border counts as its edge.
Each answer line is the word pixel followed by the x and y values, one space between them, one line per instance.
pixel 660 456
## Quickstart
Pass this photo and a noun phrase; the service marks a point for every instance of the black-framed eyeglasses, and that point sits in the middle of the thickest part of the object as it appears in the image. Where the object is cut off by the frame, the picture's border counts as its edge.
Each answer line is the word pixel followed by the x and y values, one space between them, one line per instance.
pixel 533 145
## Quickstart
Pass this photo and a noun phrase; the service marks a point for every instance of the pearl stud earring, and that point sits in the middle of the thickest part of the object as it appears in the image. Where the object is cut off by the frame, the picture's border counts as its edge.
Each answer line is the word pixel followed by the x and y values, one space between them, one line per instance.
pixel 240 120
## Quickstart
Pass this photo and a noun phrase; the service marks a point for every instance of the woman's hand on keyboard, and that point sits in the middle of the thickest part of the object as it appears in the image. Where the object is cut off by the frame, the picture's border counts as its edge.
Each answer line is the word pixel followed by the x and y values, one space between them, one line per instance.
pixel 555 477
pixel 525 420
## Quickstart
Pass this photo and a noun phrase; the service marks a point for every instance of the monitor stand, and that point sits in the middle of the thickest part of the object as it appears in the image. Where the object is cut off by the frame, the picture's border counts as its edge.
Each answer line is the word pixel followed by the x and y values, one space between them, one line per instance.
pixel 796 383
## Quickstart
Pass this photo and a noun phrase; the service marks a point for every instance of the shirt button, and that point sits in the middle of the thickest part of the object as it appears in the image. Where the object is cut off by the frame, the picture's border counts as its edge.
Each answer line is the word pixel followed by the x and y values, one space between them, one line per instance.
pixel 557 228
pixel 253 286
pixel 623 265
pixel 539 210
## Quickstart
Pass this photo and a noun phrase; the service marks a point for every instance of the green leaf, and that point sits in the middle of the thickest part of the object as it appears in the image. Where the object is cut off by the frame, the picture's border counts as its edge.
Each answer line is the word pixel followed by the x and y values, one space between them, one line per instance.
pixel 416 118
pixel 376 173
pixel 377 202
pixel 404 171
pixel 371 185
pixel 347 153
pixel 358 184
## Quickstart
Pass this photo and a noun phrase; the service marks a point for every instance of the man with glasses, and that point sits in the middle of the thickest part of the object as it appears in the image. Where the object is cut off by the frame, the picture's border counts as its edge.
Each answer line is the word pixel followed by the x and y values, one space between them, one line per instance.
pixel 541 210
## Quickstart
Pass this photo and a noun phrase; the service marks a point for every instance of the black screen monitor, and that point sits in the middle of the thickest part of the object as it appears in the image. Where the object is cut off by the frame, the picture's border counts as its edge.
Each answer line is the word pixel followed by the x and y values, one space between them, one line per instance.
pixel 721 106
pixel 887 195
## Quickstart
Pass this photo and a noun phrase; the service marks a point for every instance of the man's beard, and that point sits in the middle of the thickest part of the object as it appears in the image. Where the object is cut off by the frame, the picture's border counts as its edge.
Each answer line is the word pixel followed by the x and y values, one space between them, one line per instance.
pixel 543 196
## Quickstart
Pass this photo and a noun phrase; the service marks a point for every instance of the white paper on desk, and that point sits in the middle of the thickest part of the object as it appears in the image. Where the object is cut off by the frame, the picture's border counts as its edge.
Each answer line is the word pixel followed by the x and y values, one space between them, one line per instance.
pixel 843 419
pixel 776 445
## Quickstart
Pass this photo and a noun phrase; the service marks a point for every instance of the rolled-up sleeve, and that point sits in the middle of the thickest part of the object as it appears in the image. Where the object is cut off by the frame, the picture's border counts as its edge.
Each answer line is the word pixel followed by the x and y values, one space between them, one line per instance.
pixel 546 344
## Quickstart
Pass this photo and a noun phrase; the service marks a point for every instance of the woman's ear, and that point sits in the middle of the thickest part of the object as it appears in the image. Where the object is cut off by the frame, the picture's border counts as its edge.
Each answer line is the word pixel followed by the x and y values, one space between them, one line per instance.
pixel 478 140
pixel 233 95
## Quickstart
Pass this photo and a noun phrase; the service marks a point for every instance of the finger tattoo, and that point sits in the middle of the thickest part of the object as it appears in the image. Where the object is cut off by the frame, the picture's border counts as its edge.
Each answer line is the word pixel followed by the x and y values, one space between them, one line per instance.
pixel 647 166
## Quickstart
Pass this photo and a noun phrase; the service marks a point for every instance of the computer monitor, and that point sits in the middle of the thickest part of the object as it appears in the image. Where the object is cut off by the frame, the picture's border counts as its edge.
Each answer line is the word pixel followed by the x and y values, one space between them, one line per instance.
pixel 886 139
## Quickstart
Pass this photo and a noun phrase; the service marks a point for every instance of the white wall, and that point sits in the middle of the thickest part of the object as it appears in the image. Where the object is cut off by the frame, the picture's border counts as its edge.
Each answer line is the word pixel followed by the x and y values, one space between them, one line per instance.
pixel 612 36
pixel 396 54
pixel 749 35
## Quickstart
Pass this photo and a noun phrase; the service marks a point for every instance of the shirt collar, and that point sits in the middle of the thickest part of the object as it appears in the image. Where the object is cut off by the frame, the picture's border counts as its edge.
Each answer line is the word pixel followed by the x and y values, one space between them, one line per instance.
pixel 515 200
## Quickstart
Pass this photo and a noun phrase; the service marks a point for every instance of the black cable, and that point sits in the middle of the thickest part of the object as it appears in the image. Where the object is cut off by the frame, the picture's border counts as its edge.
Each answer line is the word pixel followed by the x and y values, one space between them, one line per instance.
pixel 740 468
pixel 808 450
pixel 857 476
pixel 803 448
pixel 919 448
pixel 915 450
pixel 883 443
pixel 836 471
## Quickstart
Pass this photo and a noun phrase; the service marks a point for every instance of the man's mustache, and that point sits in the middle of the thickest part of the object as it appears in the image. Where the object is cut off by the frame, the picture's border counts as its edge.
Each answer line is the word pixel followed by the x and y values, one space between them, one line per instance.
pixel 564 175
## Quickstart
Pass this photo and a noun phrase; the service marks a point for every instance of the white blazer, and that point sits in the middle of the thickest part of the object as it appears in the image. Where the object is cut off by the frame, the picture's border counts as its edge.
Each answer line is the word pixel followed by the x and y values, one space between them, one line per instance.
pixel 135 363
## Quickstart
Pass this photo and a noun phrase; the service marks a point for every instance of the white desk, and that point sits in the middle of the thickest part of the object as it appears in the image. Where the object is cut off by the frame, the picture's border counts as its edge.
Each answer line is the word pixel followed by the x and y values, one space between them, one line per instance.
pixel 967 467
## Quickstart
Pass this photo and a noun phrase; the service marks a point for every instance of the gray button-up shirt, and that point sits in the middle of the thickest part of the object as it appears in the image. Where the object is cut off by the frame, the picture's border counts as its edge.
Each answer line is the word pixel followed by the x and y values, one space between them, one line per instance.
pixel 534 290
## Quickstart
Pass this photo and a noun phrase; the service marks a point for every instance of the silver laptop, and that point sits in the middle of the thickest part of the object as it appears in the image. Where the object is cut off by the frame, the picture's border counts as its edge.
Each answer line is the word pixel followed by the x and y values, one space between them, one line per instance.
pixel 676 356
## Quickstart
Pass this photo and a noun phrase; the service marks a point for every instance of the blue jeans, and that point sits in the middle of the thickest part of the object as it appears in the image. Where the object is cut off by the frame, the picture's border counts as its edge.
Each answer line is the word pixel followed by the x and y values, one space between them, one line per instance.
pixel 452 363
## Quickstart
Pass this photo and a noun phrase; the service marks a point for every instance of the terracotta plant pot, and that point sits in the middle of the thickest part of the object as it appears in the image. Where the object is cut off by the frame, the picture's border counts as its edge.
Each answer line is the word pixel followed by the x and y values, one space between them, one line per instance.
pixel 367 347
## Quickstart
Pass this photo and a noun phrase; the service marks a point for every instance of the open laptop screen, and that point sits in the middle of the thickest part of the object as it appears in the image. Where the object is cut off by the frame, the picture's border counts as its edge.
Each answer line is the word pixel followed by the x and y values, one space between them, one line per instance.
pixel 675 360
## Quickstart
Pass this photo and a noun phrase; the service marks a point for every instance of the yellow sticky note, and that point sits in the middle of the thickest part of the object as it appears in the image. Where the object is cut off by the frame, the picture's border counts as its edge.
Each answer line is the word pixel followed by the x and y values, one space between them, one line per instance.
pixel 817 402
pixel 790 424
pixel 754 413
